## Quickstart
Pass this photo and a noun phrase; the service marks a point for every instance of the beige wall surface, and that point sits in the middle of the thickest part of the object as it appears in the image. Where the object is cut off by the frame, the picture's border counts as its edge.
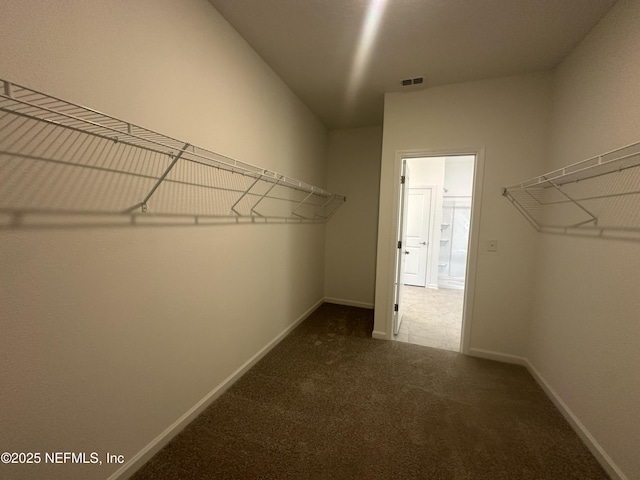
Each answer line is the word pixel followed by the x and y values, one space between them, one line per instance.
pixel 354 171
pixel 508 117
pixel 585 333
pixel 109 335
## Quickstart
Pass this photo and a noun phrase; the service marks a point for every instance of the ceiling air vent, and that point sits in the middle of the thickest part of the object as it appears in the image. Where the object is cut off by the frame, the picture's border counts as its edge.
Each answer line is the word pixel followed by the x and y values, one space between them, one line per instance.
pixel 407 82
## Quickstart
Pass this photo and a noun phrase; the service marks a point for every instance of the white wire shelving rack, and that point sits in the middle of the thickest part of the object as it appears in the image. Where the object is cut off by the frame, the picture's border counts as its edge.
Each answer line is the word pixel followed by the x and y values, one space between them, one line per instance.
pixel 57 157
pixel 599 196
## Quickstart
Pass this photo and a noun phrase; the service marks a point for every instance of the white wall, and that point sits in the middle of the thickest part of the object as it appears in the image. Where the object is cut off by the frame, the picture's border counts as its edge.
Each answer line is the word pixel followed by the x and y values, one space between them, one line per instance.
pixel 354 171
pixel 109 335
pixel 508 117
pixel 426 171
pixel 458 176
pixel 585 333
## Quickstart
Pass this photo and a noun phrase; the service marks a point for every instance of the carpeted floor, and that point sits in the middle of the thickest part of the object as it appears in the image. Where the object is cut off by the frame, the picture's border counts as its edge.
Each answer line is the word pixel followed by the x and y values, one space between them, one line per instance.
pixel 329 402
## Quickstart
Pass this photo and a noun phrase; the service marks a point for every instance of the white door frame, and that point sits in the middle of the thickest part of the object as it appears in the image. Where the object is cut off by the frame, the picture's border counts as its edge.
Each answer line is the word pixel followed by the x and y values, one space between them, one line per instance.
pixel 474 239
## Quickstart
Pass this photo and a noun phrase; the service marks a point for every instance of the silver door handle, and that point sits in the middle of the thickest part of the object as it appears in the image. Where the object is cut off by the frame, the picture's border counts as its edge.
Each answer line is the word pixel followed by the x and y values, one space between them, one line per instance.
pixel 423 243
pixel 406 252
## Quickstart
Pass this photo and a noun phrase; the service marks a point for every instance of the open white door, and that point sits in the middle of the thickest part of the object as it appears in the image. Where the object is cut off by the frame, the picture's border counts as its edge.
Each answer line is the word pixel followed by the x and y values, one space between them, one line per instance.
pixel 418 236
pixel 401 251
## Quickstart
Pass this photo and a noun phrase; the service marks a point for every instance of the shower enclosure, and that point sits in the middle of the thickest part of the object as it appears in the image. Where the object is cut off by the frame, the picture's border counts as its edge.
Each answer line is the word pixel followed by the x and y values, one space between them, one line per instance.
pixel 454 241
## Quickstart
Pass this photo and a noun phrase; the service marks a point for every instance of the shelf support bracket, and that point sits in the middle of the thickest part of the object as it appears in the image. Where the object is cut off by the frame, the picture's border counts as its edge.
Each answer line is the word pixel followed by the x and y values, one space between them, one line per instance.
pixel 253 209
pixel 143 204
pixel 323 206
pixel 244 194
pixel 293 212
pixel 593 219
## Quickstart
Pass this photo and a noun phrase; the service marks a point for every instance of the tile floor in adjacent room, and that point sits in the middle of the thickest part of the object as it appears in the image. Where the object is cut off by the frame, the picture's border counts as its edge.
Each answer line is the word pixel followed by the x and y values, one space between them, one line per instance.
pixel 432 317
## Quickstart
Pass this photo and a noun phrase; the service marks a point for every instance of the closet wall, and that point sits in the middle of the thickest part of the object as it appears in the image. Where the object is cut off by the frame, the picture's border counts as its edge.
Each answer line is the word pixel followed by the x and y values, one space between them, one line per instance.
pixel 585 335
pixel 109 335
pixel 509 118
pixel 354 170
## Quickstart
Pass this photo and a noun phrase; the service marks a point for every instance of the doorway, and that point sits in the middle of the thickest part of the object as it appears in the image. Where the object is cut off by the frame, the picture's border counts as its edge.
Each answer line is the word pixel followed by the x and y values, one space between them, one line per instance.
pixel 434 225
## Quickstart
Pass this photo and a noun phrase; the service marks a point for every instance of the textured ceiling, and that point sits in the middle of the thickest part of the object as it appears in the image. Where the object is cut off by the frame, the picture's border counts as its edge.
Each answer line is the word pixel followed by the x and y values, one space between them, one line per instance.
pixel 317 46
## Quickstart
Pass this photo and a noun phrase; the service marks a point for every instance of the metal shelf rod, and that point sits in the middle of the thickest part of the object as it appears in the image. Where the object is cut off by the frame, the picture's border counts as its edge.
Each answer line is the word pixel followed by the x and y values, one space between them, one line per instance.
pixel 557 201
pixel 554 175
pixel 594 197
pixel 40 129
pixel 133 174
pixel 220 160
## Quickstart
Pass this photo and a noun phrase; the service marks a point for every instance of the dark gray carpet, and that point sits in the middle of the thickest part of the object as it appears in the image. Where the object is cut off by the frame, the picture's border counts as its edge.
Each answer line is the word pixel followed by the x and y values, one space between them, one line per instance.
pixel 330 402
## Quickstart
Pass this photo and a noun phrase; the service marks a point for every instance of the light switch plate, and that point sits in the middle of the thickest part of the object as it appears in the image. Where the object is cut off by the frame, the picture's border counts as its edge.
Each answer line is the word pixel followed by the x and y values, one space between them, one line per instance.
pixel 492 246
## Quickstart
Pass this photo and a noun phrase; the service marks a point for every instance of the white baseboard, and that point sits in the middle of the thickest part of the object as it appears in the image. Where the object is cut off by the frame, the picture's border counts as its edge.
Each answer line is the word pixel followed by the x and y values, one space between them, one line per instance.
pixel 598 452
pixel 144 455
pixel 497 356
pixel 379 335
pixel 605 460
pixel 348 303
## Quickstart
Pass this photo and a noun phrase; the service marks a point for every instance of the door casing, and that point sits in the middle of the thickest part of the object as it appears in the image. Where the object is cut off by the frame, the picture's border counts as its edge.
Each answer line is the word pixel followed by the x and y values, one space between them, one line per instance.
pixel 384 303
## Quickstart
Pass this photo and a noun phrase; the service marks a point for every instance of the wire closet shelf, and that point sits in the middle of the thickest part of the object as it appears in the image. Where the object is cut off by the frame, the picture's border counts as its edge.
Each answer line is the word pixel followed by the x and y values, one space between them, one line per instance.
pixel 599 196
pixel 62 158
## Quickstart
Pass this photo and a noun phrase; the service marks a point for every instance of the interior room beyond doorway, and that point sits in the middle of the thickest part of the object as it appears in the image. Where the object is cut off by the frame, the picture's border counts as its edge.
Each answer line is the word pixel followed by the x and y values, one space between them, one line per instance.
pixel 437 237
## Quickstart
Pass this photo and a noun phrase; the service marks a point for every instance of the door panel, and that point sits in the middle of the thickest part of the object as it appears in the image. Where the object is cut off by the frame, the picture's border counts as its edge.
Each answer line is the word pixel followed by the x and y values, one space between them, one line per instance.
pixel 412 265
pixel 401 252
pixel 418 235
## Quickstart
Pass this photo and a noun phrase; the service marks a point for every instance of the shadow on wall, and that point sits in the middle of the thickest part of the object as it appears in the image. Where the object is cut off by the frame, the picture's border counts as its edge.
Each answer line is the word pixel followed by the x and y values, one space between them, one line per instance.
pixel 65 165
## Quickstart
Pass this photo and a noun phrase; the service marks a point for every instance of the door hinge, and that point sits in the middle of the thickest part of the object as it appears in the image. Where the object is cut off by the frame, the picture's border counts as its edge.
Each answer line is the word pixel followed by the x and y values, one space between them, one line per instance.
pixel 395 307
pixel 402 178
pixel 399 243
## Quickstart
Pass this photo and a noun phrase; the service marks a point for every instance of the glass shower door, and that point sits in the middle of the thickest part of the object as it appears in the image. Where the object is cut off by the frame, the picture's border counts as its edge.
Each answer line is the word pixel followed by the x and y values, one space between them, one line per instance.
pixel 454 242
